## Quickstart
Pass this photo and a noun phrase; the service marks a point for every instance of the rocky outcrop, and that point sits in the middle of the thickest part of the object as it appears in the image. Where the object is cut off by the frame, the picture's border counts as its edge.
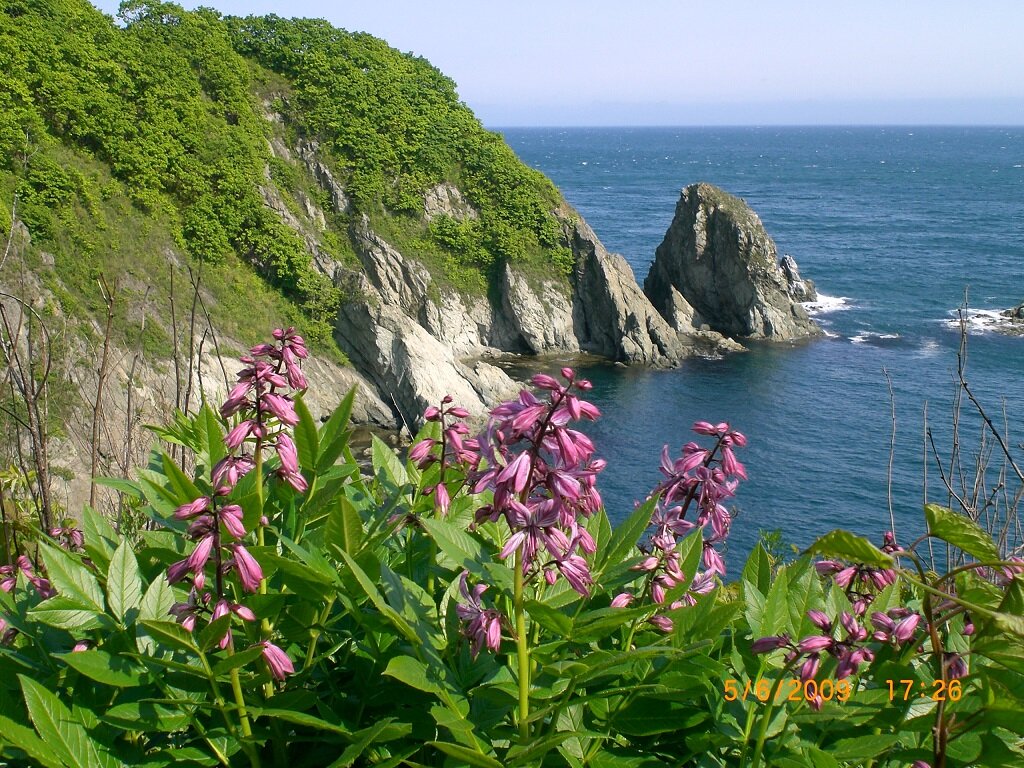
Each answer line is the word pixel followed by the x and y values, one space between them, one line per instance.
pixel 800 289
pixel 718 259
pixel 446 200
pixel 614 318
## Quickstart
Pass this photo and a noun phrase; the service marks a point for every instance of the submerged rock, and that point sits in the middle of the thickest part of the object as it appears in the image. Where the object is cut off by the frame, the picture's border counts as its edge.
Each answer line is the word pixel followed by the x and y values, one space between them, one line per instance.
pixel 718 261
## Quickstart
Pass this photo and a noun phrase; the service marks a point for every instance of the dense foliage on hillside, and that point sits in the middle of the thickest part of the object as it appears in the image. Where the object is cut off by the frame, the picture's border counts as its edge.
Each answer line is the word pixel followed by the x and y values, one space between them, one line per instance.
pixel 164 114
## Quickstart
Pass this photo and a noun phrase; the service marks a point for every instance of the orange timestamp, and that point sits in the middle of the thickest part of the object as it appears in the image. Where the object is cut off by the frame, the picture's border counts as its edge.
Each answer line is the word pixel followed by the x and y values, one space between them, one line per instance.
pixel 937 690
pixel 789 689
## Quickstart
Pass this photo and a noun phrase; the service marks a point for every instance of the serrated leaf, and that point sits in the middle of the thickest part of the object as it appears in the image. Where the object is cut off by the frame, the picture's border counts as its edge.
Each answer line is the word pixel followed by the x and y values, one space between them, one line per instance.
pixel 71 579
pixel 17 735
pixel 213 632
pixel 124 583
pixel 60 729
pixel 553 621
pixel 172 634
pixel 211 437
pixel 157 602
pixel 758 569
pixel 64 613
pixel 775 618
pixel 98 665
pixel 849 546
pixel 962 532
pixel 371 591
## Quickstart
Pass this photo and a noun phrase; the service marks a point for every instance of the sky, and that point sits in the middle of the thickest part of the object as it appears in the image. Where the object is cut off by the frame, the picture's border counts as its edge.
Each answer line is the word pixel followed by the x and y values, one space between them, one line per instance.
pixel 724 62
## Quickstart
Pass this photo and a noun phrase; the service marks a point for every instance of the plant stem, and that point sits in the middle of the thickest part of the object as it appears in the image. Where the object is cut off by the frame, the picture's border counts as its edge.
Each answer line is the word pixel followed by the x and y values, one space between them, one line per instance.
pixel 762 728
pixel 522 649
pixel 243 717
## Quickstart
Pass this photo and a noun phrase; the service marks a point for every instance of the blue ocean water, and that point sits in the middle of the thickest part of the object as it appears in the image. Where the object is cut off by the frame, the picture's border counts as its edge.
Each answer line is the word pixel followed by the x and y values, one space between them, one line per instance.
pixel 898 223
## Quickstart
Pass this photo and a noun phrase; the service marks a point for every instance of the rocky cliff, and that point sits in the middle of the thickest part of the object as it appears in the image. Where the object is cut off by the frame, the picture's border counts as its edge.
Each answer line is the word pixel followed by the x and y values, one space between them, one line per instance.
pixel 717 266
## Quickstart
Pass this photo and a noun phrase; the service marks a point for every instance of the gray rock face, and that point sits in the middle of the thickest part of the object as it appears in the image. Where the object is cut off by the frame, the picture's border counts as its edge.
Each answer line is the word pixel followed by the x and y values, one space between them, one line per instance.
pixel 801 290
pixel 1014 313
pixel 446 200
pixel 614 318
pixel 717 255
pixel 541 314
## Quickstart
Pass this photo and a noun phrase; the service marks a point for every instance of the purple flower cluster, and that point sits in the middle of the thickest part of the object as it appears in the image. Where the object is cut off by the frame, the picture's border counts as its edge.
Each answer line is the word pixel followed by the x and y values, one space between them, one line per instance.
pixel 701 476
pixel 8 581
pixel 454 448
pixel 481 625
pixel 68 536
pixel 542 474
pixel 262 400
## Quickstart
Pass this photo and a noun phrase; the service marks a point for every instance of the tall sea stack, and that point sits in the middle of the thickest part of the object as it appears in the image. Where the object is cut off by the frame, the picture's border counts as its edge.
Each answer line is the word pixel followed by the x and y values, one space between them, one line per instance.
pixel 717 266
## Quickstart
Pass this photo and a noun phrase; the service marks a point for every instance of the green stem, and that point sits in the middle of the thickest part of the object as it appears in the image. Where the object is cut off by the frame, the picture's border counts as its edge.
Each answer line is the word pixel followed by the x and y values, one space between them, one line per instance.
pixel 762 727
pixel 522 649
pixel 243 717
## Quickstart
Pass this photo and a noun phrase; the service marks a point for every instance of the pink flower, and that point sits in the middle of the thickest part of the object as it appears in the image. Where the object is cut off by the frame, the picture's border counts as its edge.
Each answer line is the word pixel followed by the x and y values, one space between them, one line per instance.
pixel 622 600
pixel 281 407
pixel 661 623
pixel 277 661
pixel 193 508
pixel 200 555
pixel 815 643
pixel 820 620
pixel 220 610
pixel 904 630
pixel 420 452
pixel 249 571
pixel 231 517
pixel 82 645
pixel 483 626
pixel 810 667
pixel 770 643
pixel 288 454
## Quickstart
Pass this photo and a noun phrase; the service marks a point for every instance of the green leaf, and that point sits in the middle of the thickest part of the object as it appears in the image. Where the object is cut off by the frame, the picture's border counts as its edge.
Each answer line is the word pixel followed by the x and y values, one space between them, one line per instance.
pixel 775 618
pixel 100 537
pixel 213 632
pixel 124 584
pixel 466 755
pixel 184 489
pixel 553 621
pixel 385 461
pixel 211 437
pixel 860 748
pixel 849 546
pixel 626 536
pixel 156 603
pixel 334 434
pixel 371 591
pixel 960 531
pixel 758 570
pixel 530 754
pixel 362 740
pixel 98 665
pixel 344 526
pixel 17 735
pixel 60 729
pixel 301 718
pixel 172 634
pixel 464 550
pixel 146 716
pixel 64 613
pixel 237 659
pixel 307 443
pixel 71 579
pixel 413 673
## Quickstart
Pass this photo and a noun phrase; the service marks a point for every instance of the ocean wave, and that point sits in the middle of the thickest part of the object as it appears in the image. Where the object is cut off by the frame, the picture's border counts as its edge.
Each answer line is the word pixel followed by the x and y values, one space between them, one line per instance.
pixel 983 321
pixel 872 337
pixel 826 304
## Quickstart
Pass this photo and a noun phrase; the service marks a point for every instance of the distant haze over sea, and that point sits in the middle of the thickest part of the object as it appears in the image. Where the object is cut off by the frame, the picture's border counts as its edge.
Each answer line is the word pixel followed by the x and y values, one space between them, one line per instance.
pixel 893 224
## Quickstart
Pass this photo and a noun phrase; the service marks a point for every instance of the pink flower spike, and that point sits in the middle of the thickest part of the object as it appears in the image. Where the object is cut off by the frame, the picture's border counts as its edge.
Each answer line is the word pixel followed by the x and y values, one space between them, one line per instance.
pixel 904 630
pixel 193 508
pixel 433 413
pixel 661 623
pixel 277 661
pixel 249 571
pixel 288 454
pixel 770 643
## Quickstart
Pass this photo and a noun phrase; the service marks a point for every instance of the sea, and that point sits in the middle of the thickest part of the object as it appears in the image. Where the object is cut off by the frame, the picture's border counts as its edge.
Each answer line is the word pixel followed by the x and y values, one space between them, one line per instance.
pixel 900 228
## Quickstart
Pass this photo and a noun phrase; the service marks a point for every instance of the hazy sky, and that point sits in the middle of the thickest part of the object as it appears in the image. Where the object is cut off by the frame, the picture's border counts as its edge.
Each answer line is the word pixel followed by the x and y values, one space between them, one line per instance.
pixel 678 62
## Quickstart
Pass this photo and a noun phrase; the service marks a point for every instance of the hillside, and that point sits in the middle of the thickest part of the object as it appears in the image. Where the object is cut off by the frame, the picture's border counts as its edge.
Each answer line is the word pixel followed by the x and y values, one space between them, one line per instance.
pixel 175 183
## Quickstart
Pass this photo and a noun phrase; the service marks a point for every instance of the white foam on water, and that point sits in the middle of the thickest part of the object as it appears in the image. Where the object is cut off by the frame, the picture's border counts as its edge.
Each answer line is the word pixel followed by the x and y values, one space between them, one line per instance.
pixel 826 304
pixel 980 320
pixel 870 336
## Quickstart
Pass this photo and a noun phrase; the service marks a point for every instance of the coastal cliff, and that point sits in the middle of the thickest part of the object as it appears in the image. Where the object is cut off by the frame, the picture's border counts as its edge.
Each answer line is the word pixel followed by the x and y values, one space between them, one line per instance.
pixel 718 266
